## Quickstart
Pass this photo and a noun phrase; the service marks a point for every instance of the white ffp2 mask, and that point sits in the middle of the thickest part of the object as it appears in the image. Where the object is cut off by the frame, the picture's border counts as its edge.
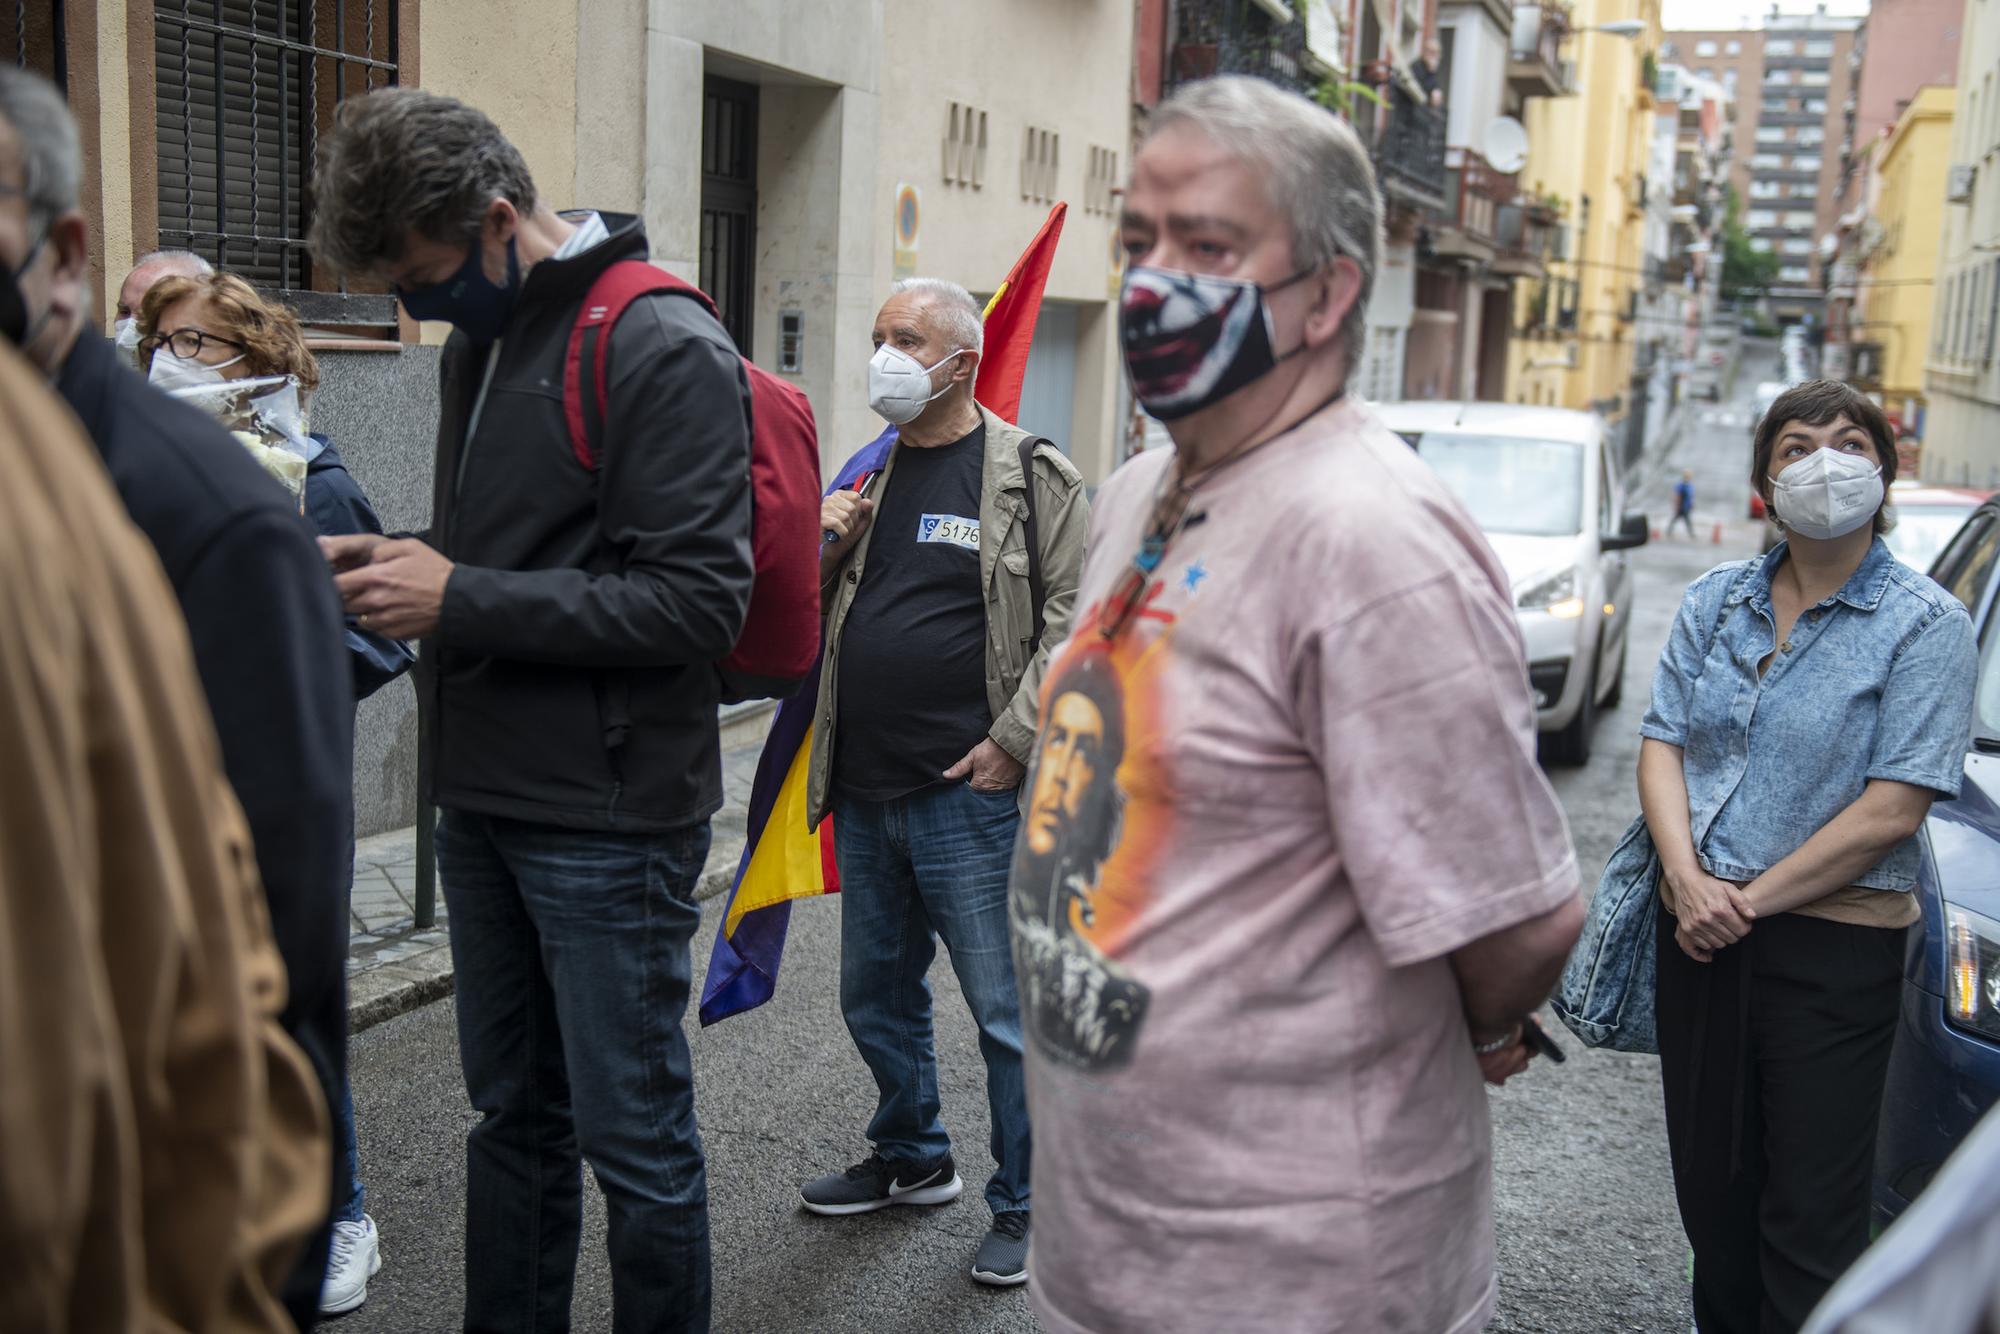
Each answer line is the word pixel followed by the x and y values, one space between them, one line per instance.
pixel 172 374
pixel 1827 494
pixel 899 386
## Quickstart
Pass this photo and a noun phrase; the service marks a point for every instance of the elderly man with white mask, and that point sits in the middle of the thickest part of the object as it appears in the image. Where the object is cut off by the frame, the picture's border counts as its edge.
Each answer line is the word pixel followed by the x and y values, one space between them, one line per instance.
pixel 942 581
pixel 1315 882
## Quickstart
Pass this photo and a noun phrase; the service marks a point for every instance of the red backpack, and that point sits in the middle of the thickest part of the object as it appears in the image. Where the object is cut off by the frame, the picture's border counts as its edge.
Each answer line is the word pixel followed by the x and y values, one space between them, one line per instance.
pixel 780 638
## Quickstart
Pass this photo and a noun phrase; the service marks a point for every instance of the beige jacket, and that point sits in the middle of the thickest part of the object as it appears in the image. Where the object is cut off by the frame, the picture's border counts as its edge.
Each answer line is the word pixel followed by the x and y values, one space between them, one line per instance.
pixel 1013 672
pixel 164 1143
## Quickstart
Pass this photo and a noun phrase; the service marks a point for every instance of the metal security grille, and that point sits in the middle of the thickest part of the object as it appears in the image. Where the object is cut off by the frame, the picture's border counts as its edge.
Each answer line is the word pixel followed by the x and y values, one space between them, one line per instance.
pixel 33 38
pixel 729 202
pixel 243 89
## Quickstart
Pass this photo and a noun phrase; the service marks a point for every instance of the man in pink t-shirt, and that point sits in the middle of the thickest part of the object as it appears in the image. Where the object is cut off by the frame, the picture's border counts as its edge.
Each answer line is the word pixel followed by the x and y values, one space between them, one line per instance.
pixel 1289 881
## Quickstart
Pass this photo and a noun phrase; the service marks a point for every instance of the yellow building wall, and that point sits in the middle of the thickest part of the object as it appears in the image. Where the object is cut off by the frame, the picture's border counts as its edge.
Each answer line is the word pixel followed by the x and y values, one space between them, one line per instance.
pixel 1594 146
pixel 1911 169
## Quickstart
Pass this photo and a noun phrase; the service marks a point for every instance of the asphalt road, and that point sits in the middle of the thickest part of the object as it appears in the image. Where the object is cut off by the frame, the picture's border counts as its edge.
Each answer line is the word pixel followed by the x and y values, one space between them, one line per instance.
pixel 1589 1238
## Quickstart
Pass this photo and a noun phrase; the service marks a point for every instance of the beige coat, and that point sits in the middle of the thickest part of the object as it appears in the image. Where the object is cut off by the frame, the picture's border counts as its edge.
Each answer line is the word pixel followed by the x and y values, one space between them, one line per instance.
pixel 164 1143
pixel 1013 672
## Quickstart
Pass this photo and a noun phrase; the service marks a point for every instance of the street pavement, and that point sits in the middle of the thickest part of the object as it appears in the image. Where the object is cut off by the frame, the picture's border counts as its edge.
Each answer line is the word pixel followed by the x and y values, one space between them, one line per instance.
pixel 1589 1238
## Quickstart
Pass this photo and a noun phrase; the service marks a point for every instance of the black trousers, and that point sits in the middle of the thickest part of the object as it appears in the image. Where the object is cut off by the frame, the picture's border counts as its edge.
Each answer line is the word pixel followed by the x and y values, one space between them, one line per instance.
pixel 1773 1058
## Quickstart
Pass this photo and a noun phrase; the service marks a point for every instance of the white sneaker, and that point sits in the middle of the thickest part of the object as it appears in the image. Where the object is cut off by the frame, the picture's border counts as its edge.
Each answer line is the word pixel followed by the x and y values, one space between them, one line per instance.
pixel 355 1257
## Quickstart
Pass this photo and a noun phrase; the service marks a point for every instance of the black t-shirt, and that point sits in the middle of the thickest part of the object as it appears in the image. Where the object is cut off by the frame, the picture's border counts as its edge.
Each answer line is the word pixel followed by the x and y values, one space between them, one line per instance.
pixel 913 650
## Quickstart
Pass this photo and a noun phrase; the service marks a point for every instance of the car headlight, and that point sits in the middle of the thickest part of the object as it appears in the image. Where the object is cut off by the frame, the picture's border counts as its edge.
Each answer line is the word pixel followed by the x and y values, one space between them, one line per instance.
pixel 1972 972
pixel 1554 594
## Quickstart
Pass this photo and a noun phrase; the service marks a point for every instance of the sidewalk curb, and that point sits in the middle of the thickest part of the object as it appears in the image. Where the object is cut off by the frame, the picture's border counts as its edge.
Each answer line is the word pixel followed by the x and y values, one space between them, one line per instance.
pixel 421 969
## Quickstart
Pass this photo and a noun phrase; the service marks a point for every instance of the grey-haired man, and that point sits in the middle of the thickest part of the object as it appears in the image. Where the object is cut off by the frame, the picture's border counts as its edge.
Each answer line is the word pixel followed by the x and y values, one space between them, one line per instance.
pixel 1291 880
pixel 926 716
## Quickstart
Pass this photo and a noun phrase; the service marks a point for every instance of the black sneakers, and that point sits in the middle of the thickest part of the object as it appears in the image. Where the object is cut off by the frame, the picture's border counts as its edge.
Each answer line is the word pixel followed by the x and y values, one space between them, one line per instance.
pixel 877 1183
pixel 1002 1261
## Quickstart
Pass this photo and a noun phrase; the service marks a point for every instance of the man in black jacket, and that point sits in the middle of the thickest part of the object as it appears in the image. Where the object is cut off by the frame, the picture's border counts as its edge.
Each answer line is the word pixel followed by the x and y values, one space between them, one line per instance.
pixel 572 618
pixel 259 607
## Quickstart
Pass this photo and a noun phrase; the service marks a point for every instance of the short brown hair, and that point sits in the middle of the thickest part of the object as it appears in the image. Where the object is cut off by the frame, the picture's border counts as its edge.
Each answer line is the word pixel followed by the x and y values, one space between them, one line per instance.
pixel 273 342
pixel 402 160
pixel 1821 403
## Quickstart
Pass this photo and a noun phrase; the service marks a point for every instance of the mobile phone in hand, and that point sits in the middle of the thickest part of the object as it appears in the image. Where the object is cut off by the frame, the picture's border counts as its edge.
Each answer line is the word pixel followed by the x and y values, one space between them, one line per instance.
pixel 1538 1041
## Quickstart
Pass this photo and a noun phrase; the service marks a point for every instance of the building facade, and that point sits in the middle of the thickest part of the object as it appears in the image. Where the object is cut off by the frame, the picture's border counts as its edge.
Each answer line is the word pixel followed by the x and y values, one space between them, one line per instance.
pixel 1899 257
pixel 1589 158
pixel 1962 380
pixel 1793 81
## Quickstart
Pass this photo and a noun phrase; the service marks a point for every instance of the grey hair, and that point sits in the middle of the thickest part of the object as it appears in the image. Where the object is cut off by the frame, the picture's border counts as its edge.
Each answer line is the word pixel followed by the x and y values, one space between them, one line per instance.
pixel 960 318
pixel 1318 175
pixel 177 261
pixel 402 160
pixel 51 155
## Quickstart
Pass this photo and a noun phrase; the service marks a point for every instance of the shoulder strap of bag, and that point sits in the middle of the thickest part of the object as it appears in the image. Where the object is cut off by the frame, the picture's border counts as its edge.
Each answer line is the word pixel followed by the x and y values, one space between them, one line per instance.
pixel 610 294
pixel 1037 592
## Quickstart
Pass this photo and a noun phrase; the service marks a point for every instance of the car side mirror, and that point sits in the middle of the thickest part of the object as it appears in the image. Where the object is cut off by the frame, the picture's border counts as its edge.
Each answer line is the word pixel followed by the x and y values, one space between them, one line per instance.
pixel 1632 533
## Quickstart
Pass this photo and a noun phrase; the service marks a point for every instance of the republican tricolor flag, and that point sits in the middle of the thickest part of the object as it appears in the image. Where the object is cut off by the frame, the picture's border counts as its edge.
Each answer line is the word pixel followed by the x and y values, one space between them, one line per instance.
pixel 783 860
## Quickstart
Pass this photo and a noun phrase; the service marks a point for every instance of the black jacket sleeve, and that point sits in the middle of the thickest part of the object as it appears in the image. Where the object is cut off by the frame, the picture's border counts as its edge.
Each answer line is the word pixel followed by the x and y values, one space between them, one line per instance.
pixel 337 507
pixel 673 503
pixel 266 629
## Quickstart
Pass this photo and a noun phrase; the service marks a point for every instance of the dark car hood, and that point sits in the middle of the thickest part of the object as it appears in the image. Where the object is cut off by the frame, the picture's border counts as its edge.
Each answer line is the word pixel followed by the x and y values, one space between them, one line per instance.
pixel 1964 861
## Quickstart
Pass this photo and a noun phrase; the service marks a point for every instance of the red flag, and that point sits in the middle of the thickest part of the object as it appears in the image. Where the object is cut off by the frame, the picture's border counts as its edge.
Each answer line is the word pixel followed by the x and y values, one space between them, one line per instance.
pixel 1010 321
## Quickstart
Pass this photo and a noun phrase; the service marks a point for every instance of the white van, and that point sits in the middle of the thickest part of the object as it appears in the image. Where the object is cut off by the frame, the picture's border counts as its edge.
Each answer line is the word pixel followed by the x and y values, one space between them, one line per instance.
pixel 1543 485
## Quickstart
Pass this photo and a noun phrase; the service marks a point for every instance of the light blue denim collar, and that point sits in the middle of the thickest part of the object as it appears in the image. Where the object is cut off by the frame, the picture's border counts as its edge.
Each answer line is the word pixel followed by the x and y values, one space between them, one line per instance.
pixel 1863 590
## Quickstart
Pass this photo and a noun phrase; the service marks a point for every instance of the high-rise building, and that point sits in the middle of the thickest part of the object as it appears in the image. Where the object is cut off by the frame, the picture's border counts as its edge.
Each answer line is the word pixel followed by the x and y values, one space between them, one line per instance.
pixel 1792 80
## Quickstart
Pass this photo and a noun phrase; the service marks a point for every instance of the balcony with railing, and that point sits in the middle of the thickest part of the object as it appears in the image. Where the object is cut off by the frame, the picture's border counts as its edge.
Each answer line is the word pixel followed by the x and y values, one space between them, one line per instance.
pixel 1237 37
pixel 1534 60
pixel 1408 143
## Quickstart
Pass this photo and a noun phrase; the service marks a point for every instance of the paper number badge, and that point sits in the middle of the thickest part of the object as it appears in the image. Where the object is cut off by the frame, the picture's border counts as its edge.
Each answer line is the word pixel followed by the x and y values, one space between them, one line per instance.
pixel 949 528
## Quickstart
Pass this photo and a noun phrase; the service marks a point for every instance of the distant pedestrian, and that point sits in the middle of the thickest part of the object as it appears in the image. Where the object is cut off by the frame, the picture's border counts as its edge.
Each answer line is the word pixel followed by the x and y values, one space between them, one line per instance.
pixel 1289 882
pixel 149 269
pixel 1808 709
pixel 230 332
pixel 1683 504
pixel 573 619
pixel 252 588
pixel 940 605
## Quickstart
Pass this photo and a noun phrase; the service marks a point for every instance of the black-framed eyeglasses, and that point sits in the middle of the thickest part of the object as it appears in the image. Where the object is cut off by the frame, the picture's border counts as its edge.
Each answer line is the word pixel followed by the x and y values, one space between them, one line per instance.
pixel 186 343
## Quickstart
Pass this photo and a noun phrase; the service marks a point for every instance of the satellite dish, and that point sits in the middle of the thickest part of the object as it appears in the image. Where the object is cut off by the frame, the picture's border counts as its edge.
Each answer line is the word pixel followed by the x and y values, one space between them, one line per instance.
pixel 1506 145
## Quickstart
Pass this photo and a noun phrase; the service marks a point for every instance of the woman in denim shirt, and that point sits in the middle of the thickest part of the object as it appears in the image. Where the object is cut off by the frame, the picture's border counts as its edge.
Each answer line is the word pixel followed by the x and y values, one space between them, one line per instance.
pixel 1808 709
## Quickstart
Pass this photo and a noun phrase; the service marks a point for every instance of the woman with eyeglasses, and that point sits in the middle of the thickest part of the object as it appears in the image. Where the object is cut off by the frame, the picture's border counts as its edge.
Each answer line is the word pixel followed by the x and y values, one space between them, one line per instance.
pixel 205 330
pixel 1808 709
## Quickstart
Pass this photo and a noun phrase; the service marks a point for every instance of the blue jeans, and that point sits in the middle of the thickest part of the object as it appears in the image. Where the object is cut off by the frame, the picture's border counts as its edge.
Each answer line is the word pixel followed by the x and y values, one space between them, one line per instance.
pixel 349 1207
pixel 932 864
pixel 571 949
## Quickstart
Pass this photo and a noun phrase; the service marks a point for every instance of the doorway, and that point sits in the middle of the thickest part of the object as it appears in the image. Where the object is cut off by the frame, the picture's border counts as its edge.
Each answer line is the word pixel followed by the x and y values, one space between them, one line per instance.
pixel 729 202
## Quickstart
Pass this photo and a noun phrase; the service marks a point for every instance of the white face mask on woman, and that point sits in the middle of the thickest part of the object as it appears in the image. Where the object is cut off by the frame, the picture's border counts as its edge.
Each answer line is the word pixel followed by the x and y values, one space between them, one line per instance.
pixel 1828 493
pixel 172 374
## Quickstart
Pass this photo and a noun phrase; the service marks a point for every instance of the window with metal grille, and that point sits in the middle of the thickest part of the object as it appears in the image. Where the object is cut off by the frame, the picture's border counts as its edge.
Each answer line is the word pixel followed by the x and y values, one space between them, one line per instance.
pixel 243 90
pixel 33 38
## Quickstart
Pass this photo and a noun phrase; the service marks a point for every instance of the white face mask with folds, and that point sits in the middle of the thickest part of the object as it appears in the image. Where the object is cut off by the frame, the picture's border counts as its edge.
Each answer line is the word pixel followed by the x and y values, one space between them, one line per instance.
pixel 899 386
pixel 125 337
pixel 1827 494
pixel 172 374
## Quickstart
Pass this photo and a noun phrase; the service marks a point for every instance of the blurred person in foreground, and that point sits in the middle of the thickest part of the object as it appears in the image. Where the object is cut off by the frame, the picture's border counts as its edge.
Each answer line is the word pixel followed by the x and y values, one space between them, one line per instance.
pixel 573 619
pixel 215 325
pixel 259 607
pixel 1809 707
pixel 165 1153
pixel 1289 881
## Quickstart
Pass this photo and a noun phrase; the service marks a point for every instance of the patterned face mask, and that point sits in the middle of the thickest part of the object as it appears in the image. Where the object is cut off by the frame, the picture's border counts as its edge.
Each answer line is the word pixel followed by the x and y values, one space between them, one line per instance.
pixel 1192 340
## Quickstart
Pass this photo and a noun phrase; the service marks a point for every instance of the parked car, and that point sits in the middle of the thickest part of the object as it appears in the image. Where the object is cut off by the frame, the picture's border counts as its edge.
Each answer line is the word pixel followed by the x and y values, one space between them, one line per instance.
pixel 1927 517
pixel 1944 1072
pixel 1544 486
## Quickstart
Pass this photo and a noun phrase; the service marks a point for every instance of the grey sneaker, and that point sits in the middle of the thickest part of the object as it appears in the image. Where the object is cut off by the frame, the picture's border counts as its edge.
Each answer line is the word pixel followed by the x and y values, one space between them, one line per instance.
pixel 876 1183
pixel 1002 1261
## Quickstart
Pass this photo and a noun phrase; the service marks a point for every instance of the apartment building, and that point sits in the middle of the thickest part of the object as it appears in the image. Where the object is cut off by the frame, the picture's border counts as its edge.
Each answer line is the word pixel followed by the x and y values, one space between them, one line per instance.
pixel 1962 431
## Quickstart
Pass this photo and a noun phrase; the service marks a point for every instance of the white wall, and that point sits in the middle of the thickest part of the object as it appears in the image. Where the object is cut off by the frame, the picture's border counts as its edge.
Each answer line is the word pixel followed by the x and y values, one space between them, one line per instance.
pixel 1478 75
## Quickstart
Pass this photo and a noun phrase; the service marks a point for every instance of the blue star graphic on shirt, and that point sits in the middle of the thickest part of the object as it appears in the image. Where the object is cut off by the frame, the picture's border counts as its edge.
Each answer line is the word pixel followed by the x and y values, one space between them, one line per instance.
pixel 1191 580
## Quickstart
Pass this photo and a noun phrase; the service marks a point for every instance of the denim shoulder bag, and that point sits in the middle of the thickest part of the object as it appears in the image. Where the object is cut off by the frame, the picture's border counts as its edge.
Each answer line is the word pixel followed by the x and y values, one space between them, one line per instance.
pixel 1607 990
pixel 1609 986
